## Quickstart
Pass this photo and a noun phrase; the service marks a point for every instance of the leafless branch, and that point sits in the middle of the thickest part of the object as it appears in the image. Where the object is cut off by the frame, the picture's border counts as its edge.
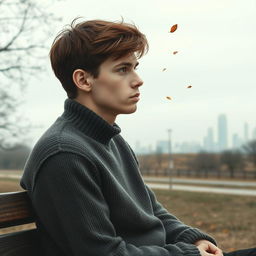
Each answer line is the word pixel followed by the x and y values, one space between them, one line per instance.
pixel 19 31
pixel 22 48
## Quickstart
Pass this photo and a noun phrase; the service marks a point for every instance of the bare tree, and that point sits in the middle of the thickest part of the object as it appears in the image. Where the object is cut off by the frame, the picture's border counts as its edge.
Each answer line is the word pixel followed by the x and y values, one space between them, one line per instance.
pixel 250 149
pixel 159 158
pixel 147 163
pixel 233 159
pixel 205 162
pixel 25 26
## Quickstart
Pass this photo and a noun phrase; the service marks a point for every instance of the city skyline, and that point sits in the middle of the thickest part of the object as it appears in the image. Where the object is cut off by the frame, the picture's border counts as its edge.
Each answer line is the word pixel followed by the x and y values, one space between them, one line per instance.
pixel 215 140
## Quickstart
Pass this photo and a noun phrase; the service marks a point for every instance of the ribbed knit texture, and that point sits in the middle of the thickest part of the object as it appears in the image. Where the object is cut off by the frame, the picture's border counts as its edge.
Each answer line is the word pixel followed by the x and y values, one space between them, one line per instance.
pixel 89 197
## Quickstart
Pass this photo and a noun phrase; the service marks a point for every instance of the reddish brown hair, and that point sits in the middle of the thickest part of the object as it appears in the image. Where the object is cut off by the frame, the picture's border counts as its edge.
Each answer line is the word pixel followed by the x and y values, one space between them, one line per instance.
pixel 87 45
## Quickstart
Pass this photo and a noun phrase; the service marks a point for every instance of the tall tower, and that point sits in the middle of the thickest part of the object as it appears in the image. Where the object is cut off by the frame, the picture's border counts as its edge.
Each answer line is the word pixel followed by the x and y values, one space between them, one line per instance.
pixel 237 142
pixel 222 132
pixel 246 132
pixel 208 140
pixel 254 134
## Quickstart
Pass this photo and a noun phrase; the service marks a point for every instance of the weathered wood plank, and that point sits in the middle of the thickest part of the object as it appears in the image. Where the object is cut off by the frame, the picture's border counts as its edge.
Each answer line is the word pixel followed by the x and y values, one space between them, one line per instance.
pixel 15 209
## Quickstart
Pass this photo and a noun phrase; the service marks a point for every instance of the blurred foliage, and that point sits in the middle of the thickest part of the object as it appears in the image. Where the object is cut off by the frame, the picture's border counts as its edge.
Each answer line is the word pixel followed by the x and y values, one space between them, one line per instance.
pixel 250 149
pixel 15 158
pixel 25 27
pixel 229 163
pixel 233 159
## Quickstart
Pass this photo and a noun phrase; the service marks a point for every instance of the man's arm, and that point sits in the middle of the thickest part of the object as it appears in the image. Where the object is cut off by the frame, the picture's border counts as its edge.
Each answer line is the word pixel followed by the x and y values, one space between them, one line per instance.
pixel 69 203
pixel 176 231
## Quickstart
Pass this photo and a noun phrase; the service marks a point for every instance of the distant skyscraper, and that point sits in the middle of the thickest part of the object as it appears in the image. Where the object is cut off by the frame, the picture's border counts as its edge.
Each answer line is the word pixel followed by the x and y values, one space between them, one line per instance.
pixel 236 141
pixel 189 147
pixel 246 132
pixel 254 134
pixel 162 146
pixel 208 140
pixel 222 132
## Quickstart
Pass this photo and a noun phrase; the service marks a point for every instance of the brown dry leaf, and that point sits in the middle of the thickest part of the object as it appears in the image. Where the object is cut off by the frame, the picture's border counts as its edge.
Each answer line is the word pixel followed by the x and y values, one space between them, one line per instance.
pixel 199 223
pixel 168 98
pixel 190 86
pixel 212 227
pixel 175 52
pixel 173 28
pixel 164 69
pixel 225 231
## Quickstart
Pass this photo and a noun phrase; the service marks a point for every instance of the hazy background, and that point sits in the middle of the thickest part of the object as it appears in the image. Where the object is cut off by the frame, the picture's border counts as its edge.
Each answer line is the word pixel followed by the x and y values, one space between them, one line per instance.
pixel 216 43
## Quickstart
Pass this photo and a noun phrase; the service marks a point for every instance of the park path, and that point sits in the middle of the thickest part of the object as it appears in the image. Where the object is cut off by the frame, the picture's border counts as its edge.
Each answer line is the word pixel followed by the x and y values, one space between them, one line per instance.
pixel 201 181
pixel 172 183
pixel 153 182
pixel 230 191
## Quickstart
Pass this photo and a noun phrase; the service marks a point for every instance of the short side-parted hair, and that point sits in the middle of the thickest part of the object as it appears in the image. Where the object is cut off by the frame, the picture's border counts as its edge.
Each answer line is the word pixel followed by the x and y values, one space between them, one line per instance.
pixel 88 44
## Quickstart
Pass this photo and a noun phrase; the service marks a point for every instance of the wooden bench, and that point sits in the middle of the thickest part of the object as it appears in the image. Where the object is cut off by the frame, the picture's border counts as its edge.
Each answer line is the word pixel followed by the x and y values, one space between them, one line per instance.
pixel 15 209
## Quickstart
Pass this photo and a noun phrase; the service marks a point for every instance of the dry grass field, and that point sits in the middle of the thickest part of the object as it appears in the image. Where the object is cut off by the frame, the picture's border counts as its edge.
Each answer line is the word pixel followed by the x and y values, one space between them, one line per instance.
pixel 231 220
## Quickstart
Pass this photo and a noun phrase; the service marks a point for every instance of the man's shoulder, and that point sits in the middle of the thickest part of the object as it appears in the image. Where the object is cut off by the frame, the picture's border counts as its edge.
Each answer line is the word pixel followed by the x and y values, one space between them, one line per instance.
pixel 62 136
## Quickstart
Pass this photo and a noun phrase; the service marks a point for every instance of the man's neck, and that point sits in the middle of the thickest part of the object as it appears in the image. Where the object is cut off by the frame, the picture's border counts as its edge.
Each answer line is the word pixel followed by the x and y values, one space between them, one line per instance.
pixel 87 103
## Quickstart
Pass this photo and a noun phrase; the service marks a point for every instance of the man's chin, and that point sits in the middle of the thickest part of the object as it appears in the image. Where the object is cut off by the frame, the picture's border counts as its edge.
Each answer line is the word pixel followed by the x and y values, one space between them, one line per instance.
pixel 130 110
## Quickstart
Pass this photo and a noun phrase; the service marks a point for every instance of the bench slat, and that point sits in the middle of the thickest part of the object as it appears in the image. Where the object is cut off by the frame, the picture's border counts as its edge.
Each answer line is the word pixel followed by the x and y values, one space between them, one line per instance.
pixel 15 209
pixel 23 243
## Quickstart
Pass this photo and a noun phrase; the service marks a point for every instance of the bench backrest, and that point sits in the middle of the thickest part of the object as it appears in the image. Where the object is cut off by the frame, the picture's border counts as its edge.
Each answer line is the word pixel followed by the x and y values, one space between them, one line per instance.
pixel 15 209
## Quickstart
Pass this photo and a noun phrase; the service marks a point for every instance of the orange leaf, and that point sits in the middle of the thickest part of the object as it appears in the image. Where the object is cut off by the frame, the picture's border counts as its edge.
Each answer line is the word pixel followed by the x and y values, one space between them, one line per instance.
pixel 212 227
pixel 190 86
pixel 168 98
pixel 173 28
pixel 175 52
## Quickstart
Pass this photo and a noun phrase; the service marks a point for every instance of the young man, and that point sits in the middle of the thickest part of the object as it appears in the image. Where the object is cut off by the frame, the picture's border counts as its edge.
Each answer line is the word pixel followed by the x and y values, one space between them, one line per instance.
pixel 82 177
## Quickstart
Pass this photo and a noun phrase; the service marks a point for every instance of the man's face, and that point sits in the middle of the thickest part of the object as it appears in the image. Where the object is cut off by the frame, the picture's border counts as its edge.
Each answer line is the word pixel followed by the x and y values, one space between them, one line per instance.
pixel 116 89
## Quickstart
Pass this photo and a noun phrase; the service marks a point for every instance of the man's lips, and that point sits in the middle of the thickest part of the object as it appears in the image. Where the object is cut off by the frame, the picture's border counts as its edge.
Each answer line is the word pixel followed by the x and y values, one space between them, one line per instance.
pixel 135 95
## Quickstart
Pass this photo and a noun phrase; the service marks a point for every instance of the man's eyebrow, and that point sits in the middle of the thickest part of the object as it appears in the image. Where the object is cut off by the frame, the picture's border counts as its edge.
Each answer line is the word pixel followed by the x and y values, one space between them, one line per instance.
pixel 128 64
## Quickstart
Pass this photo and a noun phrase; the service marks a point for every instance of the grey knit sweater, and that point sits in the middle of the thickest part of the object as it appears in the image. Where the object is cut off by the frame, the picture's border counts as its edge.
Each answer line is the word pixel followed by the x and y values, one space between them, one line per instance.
pixel 89 197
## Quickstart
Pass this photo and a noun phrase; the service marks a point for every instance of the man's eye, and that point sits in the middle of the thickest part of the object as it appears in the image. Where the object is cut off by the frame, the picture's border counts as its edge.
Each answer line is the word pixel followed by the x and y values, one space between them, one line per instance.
pixel 123 69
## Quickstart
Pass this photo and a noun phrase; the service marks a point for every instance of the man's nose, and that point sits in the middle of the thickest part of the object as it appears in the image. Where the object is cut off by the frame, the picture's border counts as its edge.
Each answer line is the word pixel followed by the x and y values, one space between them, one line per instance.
pixel 137 82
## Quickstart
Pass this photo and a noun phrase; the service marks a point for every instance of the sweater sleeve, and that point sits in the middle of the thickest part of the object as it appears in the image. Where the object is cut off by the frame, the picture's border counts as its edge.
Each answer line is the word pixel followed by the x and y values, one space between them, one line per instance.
pixel 69 203
pixel 176 231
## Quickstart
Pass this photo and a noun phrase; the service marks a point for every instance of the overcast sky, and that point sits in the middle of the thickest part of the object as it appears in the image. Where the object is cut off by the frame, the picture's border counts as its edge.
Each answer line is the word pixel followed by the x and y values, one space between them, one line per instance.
pixel 216 42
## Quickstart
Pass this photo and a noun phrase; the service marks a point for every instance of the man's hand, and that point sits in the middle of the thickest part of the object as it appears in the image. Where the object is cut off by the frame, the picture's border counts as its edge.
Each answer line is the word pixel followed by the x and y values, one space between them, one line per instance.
pixel 207 248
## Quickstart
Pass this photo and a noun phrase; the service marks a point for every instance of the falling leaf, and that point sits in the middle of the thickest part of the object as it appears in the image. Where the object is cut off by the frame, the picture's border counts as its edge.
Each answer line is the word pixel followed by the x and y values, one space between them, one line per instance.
pixel 190 86
pixel 175 52
pixel 173 28
pixel 164 69
pixel 168 98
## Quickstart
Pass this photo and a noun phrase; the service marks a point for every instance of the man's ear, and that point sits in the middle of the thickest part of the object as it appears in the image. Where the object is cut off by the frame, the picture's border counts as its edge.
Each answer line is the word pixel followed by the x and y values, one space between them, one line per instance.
pixel 82 79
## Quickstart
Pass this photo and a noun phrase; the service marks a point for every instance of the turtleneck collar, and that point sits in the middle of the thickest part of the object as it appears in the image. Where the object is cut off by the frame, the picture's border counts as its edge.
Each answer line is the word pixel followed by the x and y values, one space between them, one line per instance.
pixel 89 122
